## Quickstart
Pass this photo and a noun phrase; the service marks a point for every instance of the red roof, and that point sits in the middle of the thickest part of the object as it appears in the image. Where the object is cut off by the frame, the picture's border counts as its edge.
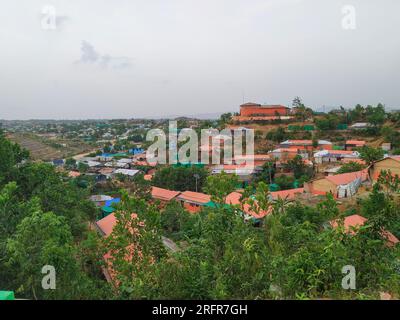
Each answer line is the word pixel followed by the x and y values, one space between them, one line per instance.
pixel 341 152
pixel 108 270
pixel 351 221
pixel 356 142
pixel 290 194
pixel 356 221
pixel 233 198
pixel 377 174
pixel 346 178
pixel 348 160
pixel 260 214
pixel 163 194
pixel 74 174
pixel 107 224
pixel 194 197
pixel 318 193
pixel 106 171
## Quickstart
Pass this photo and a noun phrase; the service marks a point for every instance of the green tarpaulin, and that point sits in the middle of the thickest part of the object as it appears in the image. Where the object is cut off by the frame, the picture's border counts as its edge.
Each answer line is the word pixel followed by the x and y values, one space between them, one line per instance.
pixel 213 205
pixel 274 187
pixel 338 147
pixel 7 295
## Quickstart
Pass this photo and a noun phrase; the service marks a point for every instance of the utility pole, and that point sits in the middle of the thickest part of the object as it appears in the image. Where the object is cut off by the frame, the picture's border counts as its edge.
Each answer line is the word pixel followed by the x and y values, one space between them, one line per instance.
pixel 196 176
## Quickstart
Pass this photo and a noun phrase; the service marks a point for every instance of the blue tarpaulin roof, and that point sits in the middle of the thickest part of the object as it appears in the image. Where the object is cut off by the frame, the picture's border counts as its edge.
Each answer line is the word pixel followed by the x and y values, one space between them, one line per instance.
pixel 109 203
pixel 136 151
pixel 110 155
pixel 58 162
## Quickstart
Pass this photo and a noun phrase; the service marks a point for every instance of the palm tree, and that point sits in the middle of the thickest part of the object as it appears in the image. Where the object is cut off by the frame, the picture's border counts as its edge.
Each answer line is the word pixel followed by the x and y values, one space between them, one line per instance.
pixel 280 204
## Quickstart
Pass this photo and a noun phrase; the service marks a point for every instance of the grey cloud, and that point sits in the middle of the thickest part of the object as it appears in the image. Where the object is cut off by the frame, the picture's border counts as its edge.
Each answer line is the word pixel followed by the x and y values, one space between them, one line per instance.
pixel 212 54
pixel 108 61
pixel 89 55
pixel 61 20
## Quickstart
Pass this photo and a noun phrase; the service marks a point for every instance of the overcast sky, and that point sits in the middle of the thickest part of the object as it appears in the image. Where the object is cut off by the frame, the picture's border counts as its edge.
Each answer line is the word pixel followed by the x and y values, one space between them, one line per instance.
pixel 130 58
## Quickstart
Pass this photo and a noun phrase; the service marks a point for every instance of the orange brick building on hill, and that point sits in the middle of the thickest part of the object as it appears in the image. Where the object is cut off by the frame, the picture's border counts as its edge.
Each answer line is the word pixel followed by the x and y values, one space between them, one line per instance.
pixel 257 110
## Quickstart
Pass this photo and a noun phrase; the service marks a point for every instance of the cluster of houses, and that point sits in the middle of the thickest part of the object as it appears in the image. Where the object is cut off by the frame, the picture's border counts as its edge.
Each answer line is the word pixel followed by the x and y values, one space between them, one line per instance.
pixel 324 157
pixel 339 185
pixel 108 166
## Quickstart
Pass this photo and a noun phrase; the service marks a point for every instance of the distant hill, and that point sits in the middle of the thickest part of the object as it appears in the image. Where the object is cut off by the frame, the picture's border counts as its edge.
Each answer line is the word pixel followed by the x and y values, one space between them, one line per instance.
pixel 200 116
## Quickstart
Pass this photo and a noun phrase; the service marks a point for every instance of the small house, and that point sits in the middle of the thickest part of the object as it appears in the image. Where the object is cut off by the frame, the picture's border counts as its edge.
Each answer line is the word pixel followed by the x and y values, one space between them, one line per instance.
pixel 341 186
pixel 353 144
pixel 163 195
pixel 193 201
pixel 355 221
pixel 389 163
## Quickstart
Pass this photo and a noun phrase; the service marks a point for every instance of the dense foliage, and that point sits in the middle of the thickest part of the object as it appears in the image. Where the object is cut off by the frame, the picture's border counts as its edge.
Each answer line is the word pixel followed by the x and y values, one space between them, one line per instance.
pixel 293 253
pixel 180 178
pixel 42 220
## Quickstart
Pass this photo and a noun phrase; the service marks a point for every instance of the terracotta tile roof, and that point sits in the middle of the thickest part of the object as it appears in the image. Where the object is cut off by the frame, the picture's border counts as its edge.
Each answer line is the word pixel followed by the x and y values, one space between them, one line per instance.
pixel 290 194
pixel 290 150
pixel 148 177
pixel 145 163
pixel 308 162
pixel 106 171
pixel 348 160
pixel 346 178
pixel 351 221
pixel 378 173
pixel 318 193
pixel 233 198
pixel 74 174
pixel 390 237
pixel 194 197
pixel 357 221
pixel 163 194
pixel 259 215
pixel 356 142
pixel 108 269
pixel 107 224
pixel 341 152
